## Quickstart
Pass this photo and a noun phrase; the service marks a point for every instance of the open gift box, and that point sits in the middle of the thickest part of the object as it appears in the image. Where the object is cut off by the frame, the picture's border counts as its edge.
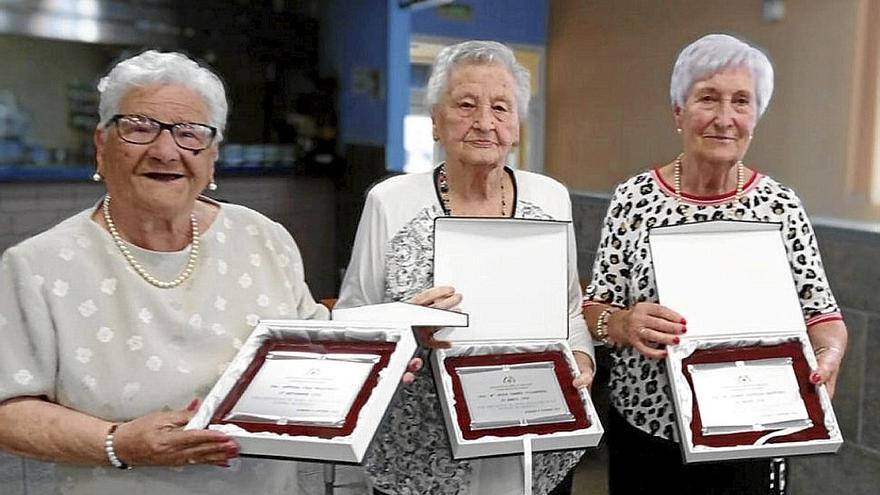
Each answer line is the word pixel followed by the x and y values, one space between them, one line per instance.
pixel 307 355
pixel 508 375
pixel 740 376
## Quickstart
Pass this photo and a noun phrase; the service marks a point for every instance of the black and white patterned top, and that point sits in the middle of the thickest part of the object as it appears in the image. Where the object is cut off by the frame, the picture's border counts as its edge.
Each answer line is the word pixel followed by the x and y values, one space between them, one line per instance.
pixel 623 273
pixel 392 260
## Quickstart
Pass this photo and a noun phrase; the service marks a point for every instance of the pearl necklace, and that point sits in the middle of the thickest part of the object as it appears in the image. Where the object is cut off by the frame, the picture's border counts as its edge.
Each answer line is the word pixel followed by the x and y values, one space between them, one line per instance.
pixel 740 179
pixel 126 253
pixel 443 184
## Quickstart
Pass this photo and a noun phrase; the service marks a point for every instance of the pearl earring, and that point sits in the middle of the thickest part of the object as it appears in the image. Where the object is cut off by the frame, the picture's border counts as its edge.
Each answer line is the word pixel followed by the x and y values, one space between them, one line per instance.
pixel 212 186
pixel 96 177
pixel 678 130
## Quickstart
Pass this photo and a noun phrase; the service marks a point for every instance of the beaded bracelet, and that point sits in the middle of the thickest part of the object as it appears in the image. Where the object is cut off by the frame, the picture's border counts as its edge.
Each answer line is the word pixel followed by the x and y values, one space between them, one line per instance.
pixel 602 325
pixel 111 452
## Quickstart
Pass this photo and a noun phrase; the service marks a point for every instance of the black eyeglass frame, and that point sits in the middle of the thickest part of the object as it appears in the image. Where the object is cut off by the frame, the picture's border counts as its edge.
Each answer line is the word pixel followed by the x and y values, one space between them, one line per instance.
pixel 162 126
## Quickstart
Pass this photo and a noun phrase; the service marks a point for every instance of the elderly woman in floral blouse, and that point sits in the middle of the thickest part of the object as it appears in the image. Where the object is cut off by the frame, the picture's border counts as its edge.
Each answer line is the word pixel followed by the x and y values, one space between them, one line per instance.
pixel 118 317
pixel 720 88
pixel 478 95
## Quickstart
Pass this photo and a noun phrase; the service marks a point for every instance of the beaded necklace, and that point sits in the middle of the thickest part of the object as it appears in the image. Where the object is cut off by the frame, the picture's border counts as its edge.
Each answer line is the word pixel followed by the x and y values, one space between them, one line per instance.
pixel 126 253
pixel 443 185
pixel 740 179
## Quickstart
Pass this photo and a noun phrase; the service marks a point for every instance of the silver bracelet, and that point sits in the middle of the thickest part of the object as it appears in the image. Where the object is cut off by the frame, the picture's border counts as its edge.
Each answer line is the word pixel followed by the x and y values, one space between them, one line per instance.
pixel 111 452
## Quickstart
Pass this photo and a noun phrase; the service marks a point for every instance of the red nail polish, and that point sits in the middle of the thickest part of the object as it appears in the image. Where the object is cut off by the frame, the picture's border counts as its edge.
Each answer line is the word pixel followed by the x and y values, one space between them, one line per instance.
pixel 683 321
pixel 193 405
pixel 676 340
pixel 814 377
pixel 684 329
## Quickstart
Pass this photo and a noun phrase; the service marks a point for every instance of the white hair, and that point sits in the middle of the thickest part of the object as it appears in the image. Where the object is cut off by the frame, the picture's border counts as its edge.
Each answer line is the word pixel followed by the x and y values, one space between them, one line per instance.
pixel 714 53
pixel 477 52
pixel 161 68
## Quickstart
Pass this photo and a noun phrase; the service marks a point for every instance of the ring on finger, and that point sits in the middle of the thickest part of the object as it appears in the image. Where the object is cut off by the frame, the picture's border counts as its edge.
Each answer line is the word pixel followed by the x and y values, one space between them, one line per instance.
pixel 642 331
pixel 190 461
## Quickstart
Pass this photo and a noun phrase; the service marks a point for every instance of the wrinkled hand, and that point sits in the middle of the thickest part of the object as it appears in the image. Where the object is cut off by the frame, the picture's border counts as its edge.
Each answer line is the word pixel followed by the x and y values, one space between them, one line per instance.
pixel 415 364
pixel 442 297
pixel 828 369
pixel 647 327
pixel 586 370
pixel 158 439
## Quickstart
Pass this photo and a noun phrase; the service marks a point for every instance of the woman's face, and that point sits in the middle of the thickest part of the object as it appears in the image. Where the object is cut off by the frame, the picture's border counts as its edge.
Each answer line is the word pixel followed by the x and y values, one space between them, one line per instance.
pixel 159 177
pixel 719 116
pixel 477 121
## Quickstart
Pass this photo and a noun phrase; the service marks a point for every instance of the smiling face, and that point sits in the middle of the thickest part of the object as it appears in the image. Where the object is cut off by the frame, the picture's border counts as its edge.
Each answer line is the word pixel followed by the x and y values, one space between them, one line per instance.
pixel 160 177
pixel 719 116
pixel 477 121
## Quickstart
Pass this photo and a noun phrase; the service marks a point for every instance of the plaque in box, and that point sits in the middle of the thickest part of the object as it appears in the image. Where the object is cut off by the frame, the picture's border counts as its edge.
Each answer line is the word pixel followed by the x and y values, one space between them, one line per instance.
pixel 740 377
pixel 305 388
pixel 314 390
pixel 507 378
pixel 508 395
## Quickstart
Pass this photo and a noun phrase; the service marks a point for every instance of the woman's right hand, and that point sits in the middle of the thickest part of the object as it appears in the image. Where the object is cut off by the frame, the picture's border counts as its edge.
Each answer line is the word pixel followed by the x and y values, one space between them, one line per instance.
pixel 442 297
pixel 647 327
pixel 158 439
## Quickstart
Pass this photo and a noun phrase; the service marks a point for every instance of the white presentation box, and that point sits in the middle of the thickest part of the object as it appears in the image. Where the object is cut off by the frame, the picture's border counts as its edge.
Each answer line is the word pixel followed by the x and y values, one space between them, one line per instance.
pixel 346 448
pixel 732 281
pixel 513 276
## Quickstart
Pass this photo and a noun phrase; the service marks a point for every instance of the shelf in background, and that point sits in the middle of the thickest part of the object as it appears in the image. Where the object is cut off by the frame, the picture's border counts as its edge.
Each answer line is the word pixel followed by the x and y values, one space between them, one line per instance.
pixel 19 173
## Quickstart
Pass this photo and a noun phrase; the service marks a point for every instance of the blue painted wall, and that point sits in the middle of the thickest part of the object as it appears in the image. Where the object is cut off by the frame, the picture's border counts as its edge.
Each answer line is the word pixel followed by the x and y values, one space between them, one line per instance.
pixel 398 84
pixel 353 35
pixel 368 35
pixel 373 35
pixel 510 21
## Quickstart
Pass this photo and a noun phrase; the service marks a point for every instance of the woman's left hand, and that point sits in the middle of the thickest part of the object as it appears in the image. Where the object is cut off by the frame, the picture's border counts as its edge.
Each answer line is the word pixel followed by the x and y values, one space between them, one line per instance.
pixel 829 367
pixel 829 340
pixel 586 370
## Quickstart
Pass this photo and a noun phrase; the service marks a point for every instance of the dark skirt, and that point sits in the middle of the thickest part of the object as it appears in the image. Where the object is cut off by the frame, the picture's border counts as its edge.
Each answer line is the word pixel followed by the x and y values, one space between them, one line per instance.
pixel 642 463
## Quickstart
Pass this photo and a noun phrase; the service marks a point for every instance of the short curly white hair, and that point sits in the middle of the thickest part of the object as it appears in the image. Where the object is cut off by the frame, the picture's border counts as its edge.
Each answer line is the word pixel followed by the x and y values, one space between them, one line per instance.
pixel 157 68
pixel 714 53
pixel 478 52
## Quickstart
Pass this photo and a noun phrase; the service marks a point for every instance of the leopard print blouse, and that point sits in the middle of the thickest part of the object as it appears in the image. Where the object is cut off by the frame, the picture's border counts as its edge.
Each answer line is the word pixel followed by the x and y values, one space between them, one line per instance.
pixel 623 274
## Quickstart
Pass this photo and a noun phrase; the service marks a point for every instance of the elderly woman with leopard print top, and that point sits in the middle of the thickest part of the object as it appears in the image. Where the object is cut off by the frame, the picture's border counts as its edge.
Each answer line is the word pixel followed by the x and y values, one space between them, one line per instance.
pixel 720 88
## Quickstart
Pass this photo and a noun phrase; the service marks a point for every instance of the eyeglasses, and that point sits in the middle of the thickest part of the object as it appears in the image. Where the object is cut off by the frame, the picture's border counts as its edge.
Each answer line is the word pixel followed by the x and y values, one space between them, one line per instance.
pixel 140 129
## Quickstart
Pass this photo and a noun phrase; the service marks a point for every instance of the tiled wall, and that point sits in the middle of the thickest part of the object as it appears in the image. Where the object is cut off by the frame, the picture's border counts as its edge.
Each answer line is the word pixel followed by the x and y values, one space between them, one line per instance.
pixel 852 262
pixel 306 206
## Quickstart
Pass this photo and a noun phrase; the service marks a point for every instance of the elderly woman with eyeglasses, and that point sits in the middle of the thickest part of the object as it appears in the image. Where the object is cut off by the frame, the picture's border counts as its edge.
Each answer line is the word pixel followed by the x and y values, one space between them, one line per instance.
pixel 119 318
pixel 720 88
pixel 478 94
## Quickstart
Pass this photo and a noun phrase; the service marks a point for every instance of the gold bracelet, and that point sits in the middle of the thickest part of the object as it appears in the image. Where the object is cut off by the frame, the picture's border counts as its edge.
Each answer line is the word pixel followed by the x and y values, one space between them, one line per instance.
pixel 826 348
pixel 602 325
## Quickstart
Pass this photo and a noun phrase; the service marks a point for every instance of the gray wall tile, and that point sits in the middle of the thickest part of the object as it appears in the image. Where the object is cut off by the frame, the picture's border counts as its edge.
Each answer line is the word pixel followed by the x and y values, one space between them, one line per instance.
pixel 852 262
pixel 11 474
pixel 852 471
pixel 870 426
pixel 849 395
pixel 39 477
